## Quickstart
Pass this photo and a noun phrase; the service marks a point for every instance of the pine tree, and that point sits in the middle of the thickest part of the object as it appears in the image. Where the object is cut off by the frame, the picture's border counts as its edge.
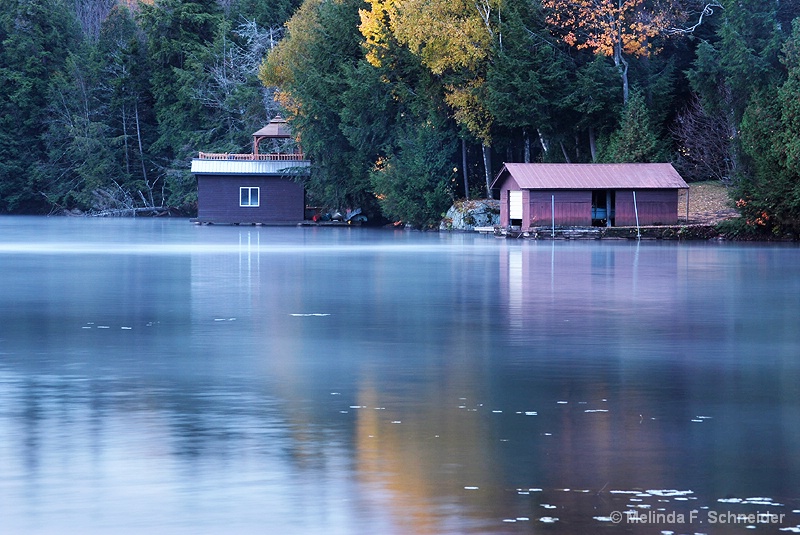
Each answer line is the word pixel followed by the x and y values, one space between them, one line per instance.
pixel 36 37
pixel 634 141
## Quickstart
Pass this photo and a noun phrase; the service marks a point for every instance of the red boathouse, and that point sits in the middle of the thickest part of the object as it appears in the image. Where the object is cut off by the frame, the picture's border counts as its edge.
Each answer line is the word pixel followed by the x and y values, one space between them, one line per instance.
pixel 560 194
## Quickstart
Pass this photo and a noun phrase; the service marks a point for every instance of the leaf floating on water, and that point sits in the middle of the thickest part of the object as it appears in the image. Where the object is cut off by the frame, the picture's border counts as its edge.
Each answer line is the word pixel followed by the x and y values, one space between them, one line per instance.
pixel 669 493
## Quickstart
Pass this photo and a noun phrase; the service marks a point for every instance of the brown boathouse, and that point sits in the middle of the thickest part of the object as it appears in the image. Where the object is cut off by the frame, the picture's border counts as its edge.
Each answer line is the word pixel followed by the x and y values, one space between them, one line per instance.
pixel 256 188
pixel 630 194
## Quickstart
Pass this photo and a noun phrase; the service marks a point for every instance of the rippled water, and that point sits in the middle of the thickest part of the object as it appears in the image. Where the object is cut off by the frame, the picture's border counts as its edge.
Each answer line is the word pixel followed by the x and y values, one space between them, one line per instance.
pixel 162 377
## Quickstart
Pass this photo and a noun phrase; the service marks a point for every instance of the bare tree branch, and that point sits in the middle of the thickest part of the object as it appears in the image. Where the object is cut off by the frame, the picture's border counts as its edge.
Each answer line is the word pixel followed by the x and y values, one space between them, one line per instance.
pixel 707 11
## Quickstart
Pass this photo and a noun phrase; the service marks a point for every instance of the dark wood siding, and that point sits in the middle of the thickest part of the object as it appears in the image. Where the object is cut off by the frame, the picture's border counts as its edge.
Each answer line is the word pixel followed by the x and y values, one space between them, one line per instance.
pixel 573 208
pixel 280 200
pixel 655 207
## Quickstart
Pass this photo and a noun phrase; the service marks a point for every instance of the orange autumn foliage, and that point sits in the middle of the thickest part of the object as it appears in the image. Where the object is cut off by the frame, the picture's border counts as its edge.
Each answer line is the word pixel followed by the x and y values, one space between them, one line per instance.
pixel 608 27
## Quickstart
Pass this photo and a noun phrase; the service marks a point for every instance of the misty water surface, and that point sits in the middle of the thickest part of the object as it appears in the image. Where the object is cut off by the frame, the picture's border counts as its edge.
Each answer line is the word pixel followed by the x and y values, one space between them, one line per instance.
pixel 162 377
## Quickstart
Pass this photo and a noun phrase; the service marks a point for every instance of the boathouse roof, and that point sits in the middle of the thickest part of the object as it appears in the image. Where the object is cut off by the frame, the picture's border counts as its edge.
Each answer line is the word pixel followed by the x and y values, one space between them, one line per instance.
pixel 584 176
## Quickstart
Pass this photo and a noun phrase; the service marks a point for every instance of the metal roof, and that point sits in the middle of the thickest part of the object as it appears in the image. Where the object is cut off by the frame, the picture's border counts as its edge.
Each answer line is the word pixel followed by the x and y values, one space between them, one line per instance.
pixel 591 176
pixel 277 128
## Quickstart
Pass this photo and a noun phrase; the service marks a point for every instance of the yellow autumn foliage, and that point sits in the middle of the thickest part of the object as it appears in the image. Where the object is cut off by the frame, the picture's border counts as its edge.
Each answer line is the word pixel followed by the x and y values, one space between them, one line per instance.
pixel 444 34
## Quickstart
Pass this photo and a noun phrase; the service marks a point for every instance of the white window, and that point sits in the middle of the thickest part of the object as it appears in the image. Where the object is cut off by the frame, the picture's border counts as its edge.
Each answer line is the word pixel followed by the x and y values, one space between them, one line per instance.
pixel 248 196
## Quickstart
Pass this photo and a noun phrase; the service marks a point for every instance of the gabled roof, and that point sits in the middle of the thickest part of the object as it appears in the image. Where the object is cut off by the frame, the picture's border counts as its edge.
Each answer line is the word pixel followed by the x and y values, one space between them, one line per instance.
pixel 591 176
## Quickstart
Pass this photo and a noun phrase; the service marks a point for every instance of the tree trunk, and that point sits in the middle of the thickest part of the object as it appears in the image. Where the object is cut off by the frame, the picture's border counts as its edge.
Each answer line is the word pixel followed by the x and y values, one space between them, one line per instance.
pixel 564 152
pixel 141 155
pixel 464 167
pixel 527 138
pixel 125 138
pixel 487 167
pixel 543 141
pixel 593 144
pixel 622 67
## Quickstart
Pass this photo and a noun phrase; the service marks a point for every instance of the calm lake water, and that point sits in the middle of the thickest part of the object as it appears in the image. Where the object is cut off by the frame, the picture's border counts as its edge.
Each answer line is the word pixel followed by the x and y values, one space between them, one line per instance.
pixel 164 378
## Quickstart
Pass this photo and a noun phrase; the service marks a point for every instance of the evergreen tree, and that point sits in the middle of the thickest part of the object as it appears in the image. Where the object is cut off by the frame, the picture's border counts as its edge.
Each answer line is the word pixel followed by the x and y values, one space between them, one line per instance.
pixel 412 184
pixel 527 78
pixel 769 196
pixel 179 33
pixel 591 105
pixel 82 169
pixel 634 141
pixel 131 119
pixel 36 37
pixel 268 14
pixel 312 66
pixel 99 124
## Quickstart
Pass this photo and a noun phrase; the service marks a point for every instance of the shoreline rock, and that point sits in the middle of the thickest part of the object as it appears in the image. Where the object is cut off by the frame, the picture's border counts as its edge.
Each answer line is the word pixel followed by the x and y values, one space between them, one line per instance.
pixel 467 214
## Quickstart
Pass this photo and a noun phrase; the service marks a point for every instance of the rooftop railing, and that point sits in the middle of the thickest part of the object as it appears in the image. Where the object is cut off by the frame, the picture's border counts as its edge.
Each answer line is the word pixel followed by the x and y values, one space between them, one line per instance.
pixel 252 157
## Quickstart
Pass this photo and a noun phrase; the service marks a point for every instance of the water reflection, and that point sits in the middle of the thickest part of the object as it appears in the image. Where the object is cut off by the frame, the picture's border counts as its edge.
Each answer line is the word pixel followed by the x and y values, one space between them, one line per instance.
pixel 161 377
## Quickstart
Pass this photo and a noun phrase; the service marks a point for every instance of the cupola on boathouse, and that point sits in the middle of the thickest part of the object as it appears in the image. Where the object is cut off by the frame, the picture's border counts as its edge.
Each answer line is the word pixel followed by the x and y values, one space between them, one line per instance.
pixel 561 194
pixel 256 188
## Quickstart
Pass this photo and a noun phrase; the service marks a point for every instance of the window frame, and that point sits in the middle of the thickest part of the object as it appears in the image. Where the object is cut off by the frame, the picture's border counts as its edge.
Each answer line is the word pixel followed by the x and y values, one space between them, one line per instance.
pixel 250 203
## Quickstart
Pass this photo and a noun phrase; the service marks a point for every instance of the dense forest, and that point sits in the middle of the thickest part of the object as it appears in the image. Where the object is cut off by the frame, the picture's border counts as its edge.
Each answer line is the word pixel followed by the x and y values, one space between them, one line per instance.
pixel 402 105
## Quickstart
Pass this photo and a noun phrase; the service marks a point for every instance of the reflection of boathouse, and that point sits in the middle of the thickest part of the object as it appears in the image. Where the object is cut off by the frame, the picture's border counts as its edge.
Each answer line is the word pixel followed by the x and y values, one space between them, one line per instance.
pixel 260 187
pixel 533 195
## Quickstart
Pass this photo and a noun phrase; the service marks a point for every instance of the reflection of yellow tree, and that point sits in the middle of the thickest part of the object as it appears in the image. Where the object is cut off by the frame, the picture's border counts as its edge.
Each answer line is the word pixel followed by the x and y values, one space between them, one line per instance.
pixel 613 28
